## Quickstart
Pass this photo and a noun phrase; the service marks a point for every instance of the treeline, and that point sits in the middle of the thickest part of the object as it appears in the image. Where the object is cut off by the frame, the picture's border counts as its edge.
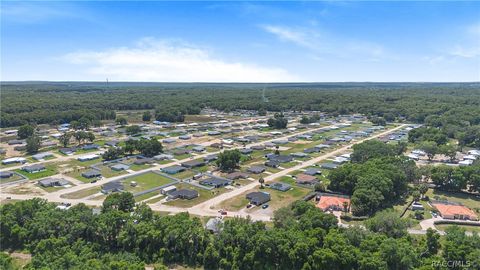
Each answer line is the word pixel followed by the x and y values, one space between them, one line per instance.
pixel 377 177
pixel 125 236
pixel 455 104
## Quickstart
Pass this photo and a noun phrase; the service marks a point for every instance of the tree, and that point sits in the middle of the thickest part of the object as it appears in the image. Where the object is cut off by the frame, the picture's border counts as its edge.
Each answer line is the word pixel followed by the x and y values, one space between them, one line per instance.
pixel 229 160
pixel 25 131
pixel 81 135
pixel 146 116
pixel 371 149
pixel 278 121
pixel 433 242
pixel 33 144
pixel 90 137
pixel 133 129
pixel 262 112
pixel 429 147
pixel 261 181
pixel 131 146
pixel 320 187
pixel 65 139
pixel 448 150
pixel 122 121
pixel 387 222
pixel 112 154
pixel 123 201
pixel 149 148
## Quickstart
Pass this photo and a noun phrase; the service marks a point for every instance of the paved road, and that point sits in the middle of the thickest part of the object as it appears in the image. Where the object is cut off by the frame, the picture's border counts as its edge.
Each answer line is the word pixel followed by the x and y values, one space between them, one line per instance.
pixel 206 208
pixel 56 196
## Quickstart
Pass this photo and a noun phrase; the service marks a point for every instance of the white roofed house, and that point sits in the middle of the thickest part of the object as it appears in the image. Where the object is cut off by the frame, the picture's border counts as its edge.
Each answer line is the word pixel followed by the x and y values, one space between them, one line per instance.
pixel 88 157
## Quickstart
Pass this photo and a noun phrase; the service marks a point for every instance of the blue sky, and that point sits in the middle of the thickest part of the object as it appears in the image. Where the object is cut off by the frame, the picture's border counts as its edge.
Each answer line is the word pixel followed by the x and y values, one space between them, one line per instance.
pixel 240 41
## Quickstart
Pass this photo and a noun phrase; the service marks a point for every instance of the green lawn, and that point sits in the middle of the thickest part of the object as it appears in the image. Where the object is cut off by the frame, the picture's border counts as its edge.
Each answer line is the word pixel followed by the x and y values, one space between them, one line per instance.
pixel 443 227
pixel 185 174
pixel 15 177
pixel 469 201
pixel 145 181
pixel 49 171
pixel 136 167
pixel 81 193
pixel 146 196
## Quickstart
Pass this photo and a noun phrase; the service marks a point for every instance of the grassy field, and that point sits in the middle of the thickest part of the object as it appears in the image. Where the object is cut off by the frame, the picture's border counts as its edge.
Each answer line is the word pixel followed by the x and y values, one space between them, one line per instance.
pixel 15 177
pixel 203 196
pixel 146 196
pixel 145 181
pixel 81 193
pixel 278 198
pixel 154 200
pixel 49 171
pixel 443 227
pixel 185 174
pixel 135 167
pixel 469 201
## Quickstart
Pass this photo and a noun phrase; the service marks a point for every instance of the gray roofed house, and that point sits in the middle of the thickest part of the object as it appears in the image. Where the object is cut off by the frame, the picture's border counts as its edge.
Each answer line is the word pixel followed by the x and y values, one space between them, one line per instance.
pixel 215 182
pixel 67 150
pixel 91 174
pixel 173 169
pixel 34 168
pixel 280 186
pixel 237 175
pixel 198 148
pixel 110 187
pixel 111 143
pixel 6 174
pixel 143 161
pixel 119 167
pixel 40 156
pixel 279 158
pixel 256 169
pixel 272 163
pixel 13 142
pixel 312 171
pixel 329 166
pixel 181 151
pixel 168 140
pixel 186 194
pixel 210 158
pixel 258 198
pixel 163 157
pixel 246 151
pixel 258 147
pixel 299 155
pixel 185 137
pixel 311 150
pixel 90 146
pixel 53 182
pixel 193 163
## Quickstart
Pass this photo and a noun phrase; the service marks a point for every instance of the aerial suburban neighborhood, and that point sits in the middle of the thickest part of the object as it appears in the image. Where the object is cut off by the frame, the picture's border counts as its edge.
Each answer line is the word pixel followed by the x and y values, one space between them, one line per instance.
pixel 234 135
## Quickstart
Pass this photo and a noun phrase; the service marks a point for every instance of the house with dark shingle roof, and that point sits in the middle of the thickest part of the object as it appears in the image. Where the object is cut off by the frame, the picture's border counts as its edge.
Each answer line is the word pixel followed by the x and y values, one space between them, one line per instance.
pixel 258 198
pixel 34 168
pixel 186 194
pixel 173 169
pixel 193 163
pixel 215 182
pixel 256 169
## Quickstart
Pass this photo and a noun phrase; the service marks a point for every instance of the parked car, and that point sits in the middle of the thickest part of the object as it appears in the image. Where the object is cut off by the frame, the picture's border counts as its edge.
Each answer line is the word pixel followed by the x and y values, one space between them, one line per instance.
pixel 265 206
pixel 93 181
pixel 223 213
pixel 249 205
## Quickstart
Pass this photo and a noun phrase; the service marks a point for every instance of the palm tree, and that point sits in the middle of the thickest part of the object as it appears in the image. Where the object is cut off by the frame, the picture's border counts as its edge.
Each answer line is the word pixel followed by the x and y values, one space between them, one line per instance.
pixel 345 207
pixel 261 181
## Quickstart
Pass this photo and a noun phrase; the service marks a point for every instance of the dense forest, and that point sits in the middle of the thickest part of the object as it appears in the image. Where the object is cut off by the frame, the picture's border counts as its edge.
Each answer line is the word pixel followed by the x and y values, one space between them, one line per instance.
pixel 125 236
pixel 44 102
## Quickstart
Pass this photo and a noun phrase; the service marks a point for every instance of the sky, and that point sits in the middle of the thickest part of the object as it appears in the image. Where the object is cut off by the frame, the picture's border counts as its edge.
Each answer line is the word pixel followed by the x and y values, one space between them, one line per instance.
pixel 333 41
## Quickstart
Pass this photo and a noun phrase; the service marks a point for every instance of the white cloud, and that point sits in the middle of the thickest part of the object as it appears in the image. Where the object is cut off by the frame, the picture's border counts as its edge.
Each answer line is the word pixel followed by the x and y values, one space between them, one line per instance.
pixel 160 60
pixel 322 44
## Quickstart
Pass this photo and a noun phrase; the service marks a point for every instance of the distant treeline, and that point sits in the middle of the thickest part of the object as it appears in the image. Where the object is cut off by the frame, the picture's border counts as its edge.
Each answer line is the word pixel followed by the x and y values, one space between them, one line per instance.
pixel 43 103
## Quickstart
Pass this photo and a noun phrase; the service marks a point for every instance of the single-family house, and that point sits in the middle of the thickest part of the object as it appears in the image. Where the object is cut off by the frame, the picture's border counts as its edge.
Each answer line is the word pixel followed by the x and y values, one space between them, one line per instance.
pixel 305 179
pixel 210 158
pixel 333 202
pixel 6 174
pixel 186 194
pixel 113 186
pixel 88 157
pixel 41 156
pixel 14 160
pixel 215 182
pixel 280 186
pixel 34 168
pixel 168 189
pixel 256 169
pixel 119 167
pixel 67 150
pixel 451 210
pixel 237 175
pixel 91 174
pixel 173 169
pixel 193 163
pixel 258 198
pixel 53 182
